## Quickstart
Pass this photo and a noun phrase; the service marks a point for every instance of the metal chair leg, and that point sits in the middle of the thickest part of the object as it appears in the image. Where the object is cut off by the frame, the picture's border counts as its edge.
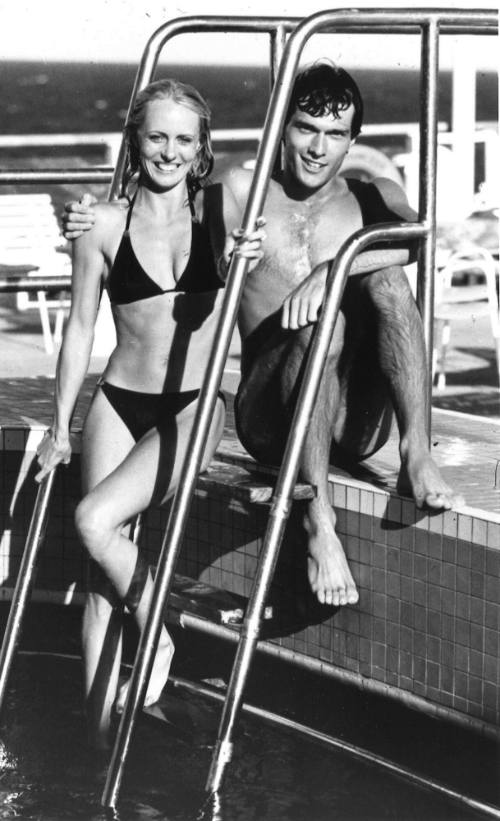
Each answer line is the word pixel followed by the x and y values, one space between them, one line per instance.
pixel 34 541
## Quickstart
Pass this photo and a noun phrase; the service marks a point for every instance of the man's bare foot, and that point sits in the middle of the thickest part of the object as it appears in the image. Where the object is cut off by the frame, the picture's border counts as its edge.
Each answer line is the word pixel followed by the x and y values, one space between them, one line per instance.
pixel 420 477
pixel 159 675
pixel 329 574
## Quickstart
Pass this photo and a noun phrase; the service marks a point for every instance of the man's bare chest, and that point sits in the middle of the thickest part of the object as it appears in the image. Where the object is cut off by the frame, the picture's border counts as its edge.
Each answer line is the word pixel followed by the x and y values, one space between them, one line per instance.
pixel 304 235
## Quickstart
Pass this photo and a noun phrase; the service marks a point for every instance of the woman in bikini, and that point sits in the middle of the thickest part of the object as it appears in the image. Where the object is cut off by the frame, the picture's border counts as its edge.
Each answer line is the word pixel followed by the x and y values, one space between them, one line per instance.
pixel 162 254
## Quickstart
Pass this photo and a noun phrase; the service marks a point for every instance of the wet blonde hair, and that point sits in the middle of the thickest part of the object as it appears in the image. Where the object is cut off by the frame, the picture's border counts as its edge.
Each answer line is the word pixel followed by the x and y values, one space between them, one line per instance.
pixel 183 94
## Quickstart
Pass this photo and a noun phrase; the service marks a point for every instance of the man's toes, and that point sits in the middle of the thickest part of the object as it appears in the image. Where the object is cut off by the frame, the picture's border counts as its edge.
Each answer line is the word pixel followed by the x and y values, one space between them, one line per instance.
pixel 352 596
pixel 439 501
pixel 313 573
pixel 420 500
pixel 342 597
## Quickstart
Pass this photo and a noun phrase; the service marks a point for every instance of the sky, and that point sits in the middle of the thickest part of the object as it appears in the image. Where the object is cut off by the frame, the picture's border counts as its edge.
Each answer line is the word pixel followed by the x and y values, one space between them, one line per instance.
pixel 117 31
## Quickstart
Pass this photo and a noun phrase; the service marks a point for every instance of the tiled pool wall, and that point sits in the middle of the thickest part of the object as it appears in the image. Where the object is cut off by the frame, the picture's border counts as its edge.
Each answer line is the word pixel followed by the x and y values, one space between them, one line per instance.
pixel 428 619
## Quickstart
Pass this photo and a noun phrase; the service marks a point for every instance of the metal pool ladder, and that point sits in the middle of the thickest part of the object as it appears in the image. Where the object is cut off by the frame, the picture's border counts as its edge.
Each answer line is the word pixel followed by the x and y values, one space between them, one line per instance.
pixel 429 23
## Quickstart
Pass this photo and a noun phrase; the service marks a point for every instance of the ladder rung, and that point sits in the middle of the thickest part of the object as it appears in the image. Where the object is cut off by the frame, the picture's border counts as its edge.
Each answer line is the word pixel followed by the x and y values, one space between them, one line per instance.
pixel 246 485
pixel 212 603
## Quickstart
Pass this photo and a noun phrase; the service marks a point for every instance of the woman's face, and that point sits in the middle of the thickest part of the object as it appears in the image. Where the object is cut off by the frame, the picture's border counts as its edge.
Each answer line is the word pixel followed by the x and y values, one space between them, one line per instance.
pixel 168 141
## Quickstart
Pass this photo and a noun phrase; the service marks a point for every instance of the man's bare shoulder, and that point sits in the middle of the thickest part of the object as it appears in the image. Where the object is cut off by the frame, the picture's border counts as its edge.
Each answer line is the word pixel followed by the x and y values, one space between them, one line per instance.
pixel 390 190
pixel 238 180
pixel 395 197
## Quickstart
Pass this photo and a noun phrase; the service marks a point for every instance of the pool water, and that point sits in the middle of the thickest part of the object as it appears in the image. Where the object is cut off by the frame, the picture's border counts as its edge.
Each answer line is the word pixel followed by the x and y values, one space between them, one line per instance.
pixel 47 772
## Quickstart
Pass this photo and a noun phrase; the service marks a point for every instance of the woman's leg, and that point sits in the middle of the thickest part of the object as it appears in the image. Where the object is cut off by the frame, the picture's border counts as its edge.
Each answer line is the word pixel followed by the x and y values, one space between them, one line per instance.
pixel 172 443
pixel 150 471
pixel 106 442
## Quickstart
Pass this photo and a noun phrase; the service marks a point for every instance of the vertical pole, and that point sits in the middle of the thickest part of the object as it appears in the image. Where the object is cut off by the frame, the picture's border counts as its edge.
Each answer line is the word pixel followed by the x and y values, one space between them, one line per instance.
pixel 278 43
pixel 427 194
pixel 174 533
pixel 201 423
pixel 277 520
pixel 34 541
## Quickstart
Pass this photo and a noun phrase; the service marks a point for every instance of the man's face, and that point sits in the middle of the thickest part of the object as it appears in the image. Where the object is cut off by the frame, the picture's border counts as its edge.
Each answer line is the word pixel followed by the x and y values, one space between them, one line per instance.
pixel 316 146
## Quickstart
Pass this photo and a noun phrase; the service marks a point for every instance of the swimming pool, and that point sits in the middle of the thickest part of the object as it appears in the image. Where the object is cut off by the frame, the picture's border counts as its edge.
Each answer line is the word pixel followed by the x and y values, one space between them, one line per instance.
pixel 48 773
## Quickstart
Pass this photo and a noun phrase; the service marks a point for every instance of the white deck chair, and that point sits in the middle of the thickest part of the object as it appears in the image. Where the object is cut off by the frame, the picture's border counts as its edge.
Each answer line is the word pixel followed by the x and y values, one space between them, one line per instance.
pixel 30 236
pixel 463 301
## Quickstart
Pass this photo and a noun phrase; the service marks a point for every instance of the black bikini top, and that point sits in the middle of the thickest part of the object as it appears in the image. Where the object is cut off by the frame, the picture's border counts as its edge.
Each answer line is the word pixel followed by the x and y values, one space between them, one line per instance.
pixel 129 282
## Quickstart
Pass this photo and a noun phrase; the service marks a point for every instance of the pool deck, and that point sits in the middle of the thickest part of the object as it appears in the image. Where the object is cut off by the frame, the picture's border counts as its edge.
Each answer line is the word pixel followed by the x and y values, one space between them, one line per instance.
pixel 465 419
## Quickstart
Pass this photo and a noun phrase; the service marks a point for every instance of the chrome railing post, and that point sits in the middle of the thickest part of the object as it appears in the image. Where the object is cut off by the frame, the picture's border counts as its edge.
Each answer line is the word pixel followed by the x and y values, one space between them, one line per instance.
pixel 274 26
pixel 278 44
pixel 337 276
pixel 429 95
pixel 34 541
pixel 192 461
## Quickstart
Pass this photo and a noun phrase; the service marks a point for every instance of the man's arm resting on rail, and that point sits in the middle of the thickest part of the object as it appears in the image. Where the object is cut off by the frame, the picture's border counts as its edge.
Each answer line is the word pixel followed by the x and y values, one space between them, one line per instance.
pixel 302 306
pixel 394 208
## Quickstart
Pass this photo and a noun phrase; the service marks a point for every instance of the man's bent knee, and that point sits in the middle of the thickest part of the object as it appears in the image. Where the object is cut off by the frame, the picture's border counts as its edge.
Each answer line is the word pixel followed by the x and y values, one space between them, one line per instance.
pixel 389 284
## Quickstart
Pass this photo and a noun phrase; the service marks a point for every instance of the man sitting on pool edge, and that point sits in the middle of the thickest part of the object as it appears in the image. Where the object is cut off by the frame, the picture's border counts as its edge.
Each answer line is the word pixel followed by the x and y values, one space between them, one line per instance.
pixel 376 363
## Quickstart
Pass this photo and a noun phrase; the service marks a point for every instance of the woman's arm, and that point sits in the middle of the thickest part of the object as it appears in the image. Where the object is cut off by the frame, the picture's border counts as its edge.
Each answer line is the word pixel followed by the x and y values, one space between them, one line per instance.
pixel 74 356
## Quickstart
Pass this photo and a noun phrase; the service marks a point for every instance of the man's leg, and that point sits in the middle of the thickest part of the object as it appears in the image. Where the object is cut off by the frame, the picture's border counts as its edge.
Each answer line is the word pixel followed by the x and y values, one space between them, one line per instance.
pixel 265 406
pixel 402 358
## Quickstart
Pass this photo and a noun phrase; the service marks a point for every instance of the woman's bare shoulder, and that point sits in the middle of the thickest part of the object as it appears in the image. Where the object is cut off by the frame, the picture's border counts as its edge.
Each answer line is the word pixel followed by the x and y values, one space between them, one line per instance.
pixel 109 215
pixel 110 219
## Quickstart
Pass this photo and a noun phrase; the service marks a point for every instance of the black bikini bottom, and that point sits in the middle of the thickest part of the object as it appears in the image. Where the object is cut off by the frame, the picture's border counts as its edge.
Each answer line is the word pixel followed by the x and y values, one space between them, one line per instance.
pixel 141 412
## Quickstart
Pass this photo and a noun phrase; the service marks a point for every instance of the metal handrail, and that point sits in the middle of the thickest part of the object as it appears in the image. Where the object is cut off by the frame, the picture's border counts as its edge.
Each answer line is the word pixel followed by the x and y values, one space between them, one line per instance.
pixel 428 22
pixel 276 27
pixel 13 284
pixel 49 176
pixel 282 499
pixel 34 541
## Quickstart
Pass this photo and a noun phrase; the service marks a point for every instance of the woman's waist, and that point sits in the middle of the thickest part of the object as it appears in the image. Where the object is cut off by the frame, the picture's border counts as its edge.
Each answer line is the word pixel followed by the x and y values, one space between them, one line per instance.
pixel 153 373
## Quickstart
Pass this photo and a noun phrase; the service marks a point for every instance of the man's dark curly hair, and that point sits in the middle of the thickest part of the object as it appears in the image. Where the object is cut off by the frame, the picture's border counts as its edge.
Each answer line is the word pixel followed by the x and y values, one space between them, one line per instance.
pixel 323 89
